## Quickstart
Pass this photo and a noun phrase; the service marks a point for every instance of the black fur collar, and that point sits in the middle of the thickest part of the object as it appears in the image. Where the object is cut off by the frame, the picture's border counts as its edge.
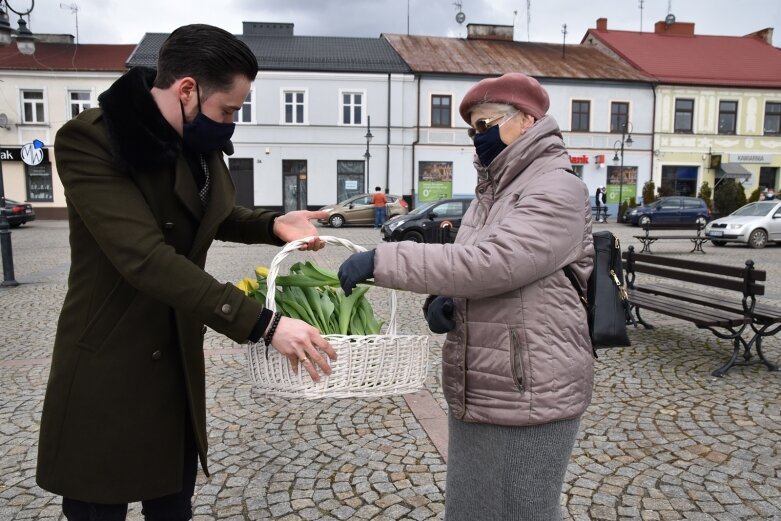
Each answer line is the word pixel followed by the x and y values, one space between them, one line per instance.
pixel 139 133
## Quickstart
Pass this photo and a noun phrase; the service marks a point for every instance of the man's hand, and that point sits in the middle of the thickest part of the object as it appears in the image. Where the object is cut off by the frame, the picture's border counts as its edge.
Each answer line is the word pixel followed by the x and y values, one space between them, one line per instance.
pixel 295 225
pixel 302 343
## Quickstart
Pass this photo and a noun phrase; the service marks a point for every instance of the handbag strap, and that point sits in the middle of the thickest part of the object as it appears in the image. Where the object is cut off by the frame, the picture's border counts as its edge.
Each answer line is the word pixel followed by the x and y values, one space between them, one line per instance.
pixel 571 276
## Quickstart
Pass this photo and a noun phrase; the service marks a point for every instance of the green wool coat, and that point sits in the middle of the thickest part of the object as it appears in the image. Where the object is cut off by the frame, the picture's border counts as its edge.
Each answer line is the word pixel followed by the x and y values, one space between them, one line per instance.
pixel 128 356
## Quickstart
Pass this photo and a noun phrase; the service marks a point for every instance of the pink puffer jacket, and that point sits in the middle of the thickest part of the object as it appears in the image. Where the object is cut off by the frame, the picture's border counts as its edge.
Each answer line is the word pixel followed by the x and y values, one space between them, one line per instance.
pixel 520 353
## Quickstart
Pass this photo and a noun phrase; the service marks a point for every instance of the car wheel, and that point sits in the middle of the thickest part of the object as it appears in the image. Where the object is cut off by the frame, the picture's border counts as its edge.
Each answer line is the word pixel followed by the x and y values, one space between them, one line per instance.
pixel 337 221
pixel 644 220
pixel 757 239
pixel 413 236
pixel 719 243
pixel 14 225
pixel 701 221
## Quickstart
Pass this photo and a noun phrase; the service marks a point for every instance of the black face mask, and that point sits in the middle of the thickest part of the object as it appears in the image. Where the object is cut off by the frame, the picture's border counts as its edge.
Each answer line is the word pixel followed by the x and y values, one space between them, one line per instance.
pixel 488 145
pixel 205 135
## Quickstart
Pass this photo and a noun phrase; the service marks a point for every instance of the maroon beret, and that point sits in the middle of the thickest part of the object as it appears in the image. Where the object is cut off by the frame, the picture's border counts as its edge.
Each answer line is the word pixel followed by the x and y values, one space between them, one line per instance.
pixel 519 90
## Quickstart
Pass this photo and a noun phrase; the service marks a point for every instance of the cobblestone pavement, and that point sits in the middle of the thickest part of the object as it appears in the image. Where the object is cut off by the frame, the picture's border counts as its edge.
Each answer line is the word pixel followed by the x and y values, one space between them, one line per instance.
pixel 662 440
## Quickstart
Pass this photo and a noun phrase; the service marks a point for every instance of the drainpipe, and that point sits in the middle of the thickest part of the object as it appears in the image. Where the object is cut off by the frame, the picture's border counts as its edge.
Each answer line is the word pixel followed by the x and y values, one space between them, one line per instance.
pixel 387 140
pixel 653 141
pixel 414 143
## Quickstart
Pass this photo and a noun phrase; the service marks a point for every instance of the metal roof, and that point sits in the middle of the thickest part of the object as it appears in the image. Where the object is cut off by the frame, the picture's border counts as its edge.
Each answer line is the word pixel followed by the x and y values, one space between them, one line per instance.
pixel 487 57
pixel 693 59
pixel 733 171
pixel 300 53
pixel 66 57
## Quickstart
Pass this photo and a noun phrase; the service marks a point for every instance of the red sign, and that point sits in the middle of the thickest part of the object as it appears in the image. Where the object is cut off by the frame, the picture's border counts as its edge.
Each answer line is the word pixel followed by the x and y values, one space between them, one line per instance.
pixel 578 160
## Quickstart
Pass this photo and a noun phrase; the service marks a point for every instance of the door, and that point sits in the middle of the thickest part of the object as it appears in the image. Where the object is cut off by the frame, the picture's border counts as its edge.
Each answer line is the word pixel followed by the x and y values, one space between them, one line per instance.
pixel 294 185
pixel 774 226
pixel 445 219
pixel 668 212
pixel 360 211
pixel 690 210
pixel 244 180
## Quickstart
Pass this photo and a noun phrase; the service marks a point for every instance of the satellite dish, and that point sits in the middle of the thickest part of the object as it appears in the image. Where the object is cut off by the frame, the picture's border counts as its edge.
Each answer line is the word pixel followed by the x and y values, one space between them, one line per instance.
pixel 4 121
pixel 669 19
pixel 460 17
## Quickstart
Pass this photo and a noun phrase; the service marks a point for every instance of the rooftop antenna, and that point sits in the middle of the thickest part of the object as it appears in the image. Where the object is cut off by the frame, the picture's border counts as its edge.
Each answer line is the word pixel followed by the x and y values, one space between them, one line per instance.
pixel 641 15
pixel 75 11
pixel 528 19
pixel 460 16
pixel 564 42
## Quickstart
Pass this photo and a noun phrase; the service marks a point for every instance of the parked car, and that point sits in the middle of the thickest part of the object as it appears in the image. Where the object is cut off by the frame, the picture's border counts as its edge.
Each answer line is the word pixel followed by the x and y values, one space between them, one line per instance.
pixel 754 224
pixel 432 222
pixel 18 213
pixel 670 211
pixel 359 209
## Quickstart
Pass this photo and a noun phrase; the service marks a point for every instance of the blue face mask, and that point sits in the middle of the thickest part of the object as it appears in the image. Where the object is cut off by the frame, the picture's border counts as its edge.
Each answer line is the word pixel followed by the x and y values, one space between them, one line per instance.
pixel 488 145
pixel 205 135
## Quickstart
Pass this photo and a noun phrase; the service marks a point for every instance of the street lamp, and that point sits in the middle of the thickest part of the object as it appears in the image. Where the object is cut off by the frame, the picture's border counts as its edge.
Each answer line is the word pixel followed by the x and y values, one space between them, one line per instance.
pixel 618 148
pixel 367 155
pixel 25 41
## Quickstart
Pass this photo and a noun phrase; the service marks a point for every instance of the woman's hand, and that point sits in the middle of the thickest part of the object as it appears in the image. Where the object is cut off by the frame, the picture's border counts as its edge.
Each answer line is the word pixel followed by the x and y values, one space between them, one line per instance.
pixel 295 225
pixel 302 343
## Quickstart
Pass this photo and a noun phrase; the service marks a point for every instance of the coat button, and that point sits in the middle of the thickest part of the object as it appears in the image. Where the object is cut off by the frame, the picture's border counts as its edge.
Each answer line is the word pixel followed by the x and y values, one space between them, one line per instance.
pixel 157 355
pixel 226 308
pixel 168 226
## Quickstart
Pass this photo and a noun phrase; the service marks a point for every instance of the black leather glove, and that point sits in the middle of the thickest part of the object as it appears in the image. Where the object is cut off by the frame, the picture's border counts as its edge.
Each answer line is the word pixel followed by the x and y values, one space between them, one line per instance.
pixel 439 315
pixel 357 268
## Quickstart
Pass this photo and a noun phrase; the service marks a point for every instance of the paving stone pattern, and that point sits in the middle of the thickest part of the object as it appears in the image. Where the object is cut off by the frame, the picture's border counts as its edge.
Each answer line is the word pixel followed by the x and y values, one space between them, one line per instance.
pixel 662 440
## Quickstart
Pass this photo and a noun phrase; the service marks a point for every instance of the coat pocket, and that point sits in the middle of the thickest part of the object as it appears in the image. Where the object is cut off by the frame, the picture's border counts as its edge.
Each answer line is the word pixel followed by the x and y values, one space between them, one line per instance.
pixel 114 306
pixel 516 361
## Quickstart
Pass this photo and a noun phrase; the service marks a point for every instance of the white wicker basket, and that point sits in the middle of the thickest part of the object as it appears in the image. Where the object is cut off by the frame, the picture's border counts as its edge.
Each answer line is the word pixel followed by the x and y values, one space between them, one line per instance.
pixel 366 366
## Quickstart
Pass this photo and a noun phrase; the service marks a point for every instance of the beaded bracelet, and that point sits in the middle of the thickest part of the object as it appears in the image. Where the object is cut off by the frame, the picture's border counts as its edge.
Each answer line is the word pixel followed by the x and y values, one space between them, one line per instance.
pixel 271 330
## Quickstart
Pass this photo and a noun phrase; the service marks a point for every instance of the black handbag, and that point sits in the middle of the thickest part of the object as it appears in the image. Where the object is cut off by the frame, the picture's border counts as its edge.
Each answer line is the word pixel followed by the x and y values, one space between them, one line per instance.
pixel 606 301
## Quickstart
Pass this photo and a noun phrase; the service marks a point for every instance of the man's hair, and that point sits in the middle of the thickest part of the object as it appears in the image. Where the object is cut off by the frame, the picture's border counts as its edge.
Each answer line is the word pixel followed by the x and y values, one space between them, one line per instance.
pixel 212 56
pixel 377 188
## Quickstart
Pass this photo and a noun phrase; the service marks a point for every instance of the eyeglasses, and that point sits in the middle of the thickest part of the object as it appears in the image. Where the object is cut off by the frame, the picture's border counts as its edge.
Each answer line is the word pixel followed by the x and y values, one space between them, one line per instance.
pixel 483 124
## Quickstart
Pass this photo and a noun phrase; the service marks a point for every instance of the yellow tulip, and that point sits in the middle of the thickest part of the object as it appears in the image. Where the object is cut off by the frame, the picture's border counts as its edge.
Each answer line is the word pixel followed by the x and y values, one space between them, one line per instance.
pixel 247 286
pixel 261 272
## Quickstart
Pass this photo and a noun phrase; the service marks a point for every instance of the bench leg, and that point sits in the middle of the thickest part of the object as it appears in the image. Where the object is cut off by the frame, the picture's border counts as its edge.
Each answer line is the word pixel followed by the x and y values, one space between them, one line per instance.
pixel 646 246
pixel 770 366
pixel 721 371
pixel 697 245
pixel 640 319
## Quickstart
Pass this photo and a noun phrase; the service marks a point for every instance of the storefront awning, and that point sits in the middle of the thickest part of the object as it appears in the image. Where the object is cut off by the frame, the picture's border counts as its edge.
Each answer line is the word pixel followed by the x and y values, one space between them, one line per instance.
pixel 732 171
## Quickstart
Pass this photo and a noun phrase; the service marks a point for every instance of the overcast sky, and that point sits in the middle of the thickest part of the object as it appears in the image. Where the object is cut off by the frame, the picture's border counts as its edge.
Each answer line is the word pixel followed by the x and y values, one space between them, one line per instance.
pixel 124 21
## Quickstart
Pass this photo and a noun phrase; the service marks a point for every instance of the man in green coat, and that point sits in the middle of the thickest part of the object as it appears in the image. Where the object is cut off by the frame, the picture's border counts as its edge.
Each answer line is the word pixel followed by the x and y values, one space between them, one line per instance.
pixel 147 191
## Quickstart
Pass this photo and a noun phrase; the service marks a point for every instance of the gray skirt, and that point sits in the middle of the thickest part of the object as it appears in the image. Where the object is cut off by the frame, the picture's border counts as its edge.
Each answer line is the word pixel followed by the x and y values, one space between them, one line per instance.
pixel 498 473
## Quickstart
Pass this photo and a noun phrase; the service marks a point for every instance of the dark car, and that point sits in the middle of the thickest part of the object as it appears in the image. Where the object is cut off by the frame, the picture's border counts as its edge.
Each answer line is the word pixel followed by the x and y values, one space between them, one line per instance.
pixel 18 213
pixel 432 222
pixel 670 211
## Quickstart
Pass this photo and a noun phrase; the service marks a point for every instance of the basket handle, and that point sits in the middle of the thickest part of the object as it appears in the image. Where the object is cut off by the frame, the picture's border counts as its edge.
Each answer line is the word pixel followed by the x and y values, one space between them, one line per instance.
pixel 273 272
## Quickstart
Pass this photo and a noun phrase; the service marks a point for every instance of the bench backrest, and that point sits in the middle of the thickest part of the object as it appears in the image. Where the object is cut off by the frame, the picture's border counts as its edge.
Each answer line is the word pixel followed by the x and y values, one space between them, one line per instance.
pixel 647 227
pixel 741 279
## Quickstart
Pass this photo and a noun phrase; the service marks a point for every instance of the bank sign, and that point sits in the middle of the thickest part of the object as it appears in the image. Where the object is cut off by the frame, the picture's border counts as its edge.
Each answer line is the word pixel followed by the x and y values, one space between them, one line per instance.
pixel 15 154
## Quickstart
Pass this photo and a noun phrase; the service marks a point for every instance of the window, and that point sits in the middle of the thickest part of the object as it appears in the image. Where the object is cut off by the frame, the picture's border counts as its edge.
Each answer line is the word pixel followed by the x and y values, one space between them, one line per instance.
pixel 440 111
pixel 578 169
pixel 80 100
pixel 684 115
pixel 581 115
pixel 246 114
pixel 451 209
pixel 728 116
pixel 349 179
pixel 33 107
pixel 39 183
pixel 619 116
pixel 772 118
pixel 294 107
pixel 352 108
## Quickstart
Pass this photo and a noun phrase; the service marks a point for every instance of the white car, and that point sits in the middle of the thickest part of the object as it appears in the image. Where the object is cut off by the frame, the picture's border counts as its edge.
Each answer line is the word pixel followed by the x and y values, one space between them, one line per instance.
pixel 754 224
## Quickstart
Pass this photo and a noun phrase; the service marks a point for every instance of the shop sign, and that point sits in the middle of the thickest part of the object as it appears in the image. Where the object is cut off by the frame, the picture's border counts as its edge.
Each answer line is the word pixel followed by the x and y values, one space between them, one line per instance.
pixel 578 160
pixel 15 154
pixel 762 159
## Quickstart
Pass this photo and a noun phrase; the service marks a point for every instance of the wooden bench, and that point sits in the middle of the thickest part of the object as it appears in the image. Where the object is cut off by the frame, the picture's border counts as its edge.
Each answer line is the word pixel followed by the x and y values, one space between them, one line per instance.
pixel 602 212
pixel 647 239
pixel 685 290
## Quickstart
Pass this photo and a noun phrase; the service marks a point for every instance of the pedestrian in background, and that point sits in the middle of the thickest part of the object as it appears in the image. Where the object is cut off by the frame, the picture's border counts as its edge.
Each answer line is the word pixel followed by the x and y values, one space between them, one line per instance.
pixel 517 364
pixel 147 190
pixel 379 201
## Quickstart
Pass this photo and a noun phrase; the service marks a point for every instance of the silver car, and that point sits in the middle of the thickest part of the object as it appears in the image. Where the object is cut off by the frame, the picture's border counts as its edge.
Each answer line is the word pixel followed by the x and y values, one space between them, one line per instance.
pixel 754 224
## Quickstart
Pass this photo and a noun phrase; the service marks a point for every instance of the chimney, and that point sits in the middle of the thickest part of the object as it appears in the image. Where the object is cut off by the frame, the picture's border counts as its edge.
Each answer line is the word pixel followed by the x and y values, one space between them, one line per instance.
pixel 764 35
pixel 674 28
pixel 267 29
pixel 601 24
pixel 489 32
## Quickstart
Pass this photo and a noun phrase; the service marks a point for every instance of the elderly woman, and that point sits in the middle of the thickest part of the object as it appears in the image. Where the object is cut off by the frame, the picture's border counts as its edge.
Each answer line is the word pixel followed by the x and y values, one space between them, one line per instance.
pixel 517 363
